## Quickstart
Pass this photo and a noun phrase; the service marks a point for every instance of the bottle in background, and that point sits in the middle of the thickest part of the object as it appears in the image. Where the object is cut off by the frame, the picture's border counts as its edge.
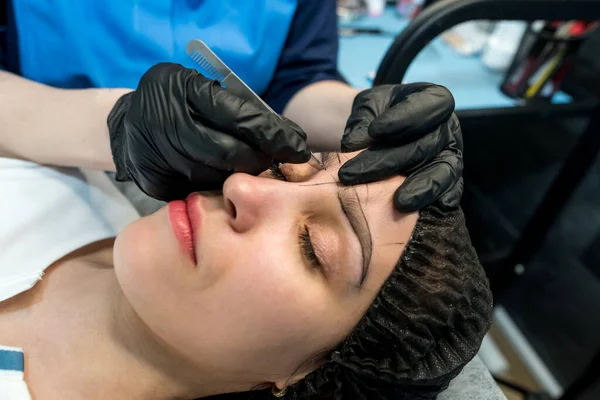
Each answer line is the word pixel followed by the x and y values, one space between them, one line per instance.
pixel 409 8
pixel 351 10
pixel 375 7
pixel 502 44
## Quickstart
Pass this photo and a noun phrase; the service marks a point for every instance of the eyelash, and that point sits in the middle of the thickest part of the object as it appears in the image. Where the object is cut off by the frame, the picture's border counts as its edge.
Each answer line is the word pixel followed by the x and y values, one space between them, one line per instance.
pixel 304 236
pixel 308 249
pixel 276 173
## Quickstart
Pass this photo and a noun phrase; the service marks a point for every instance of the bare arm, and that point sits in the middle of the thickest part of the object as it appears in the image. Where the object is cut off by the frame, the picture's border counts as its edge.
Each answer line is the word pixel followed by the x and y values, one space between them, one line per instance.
pixel 322 109
pixel 68 127
pixel 55 126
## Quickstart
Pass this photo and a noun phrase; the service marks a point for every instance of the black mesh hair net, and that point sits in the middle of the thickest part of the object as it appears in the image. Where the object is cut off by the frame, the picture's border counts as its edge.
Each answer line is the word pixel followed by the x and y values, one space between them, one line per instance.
pixel 424 326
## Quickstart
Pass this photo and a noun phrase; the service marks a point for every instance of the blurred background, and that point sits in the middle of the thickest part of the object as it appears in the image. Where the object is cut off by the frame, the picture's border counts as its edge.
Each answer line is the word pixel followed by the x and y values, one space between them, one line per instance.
pixel 526 79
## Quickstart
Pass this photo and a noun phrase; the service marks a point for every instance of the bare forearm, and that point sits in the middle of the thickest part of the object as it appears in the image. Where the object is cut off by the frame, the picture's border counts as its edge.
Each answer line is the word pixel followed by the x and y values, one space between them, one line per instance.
pixel 322 109
pixel 55 126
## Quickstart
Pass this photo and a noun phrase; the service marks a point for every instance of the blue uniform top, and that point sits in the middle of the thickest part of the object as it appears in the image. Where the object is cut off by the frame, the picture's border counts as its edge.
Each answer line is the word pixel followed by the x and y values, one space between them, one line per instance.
pixel 300 48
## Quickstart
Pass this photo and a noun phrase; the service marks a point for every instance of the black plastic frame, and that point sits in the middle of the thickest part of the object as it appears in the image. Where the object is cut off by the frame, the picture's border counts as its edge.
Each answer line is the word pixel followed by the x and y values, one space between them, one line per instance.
pixel 444 14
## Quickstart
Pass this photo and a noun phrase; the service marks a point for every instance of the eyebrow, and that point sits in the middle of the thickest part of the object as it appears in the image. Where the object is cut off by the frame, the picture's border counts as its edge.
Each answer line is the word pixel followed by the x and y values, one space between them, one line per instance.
pixel 350 204
pixel 327 158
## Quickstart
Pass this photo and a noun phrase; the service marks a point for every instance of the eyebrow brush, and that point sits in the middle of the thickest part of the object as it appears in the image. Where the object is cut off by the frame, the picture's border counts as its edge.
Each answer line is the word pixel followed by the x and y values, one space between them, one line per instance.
pixel 217 70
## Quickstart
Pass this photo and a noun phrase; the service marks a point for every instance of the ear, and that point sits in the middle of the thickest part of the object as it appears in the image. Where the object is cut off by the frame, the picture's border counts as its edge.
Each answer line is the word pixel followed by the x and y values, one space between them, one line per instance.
pixel 284 383
pixel 299 375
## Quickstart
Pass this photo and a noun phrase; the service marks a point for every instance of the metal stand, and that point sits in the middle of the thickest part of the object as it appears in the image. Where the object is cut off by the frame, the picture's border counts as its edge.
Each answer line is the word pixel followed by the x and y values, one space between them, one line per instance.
pixel 572 173
pixel 443 15
pixel 588 379
pixel 573 392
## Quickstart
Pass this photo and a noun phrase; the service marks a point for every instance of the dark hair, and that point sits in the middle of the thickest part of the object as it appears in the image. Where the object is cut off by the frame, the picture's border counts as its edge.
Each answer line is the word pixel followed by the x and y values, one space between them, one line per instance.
pixel 424 326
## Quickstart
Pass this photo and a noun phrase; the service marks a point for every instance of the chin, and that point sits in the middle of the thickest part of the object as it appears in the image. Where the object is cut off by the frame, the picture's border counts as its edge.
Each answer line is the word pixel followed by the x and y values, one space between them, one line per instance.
pixel 131 250
pixel 140 264
pixel 141 248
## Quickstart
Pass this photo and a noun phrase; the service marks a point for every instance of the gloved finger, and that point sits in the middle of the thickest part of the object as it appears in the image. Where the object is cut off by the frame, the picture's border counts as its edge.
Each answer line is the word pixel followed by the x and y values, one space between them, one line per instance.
pixel 416 114
pixel 160 184
pixel 220 151
pixel 202 177
pixel 168 186
pixel 356 139
pixel 451 199
pixel 367 105
pixel 454 127
pixel 166 74
pixel 379 162
pixel 429 184
pixel 246 120
pixel 371 104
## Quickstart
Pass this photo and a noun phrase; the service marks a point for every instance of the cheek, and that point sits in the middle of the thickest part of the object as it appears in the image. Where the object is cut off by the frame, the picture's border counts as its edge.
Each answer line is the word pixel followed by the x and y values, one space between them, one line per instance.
pixel 134 252
pixel 147 263
pixel 252 300
pixel 260 272
pixel 268 294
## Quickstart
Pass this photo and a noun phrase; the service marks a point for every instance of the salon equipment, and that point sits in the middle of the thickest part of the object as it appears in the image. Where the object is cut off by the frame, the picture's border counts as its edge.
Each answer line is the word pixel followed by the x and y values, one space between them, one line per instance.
pixel 410 8
pixel 215 69
pixel 442 16
pixel 438 18
pixel 347 32
pixel 350 10
pixel 544 57
pixel 468 39
pixel 502 44
pixel 375 7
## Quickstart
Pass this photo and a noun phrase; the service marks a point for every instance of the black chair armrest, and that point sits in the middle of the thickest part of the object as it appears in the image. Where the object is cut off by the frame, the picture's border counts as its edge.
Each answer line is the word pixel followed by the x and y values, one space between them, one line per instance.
pixel 445 14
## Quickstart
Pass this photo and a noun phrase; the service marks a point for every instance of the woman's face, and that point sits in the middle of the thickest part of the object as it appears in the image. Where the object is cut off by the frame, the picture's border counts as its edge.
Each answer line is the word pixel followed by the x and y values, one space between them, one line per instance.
pixel 276 271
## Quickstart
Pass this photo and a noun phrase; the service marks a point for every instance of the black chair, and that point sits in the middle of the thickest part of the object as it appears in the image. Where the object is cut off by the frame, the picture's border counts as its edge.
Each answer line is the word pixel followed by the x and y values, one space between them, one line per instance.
pixel 444 14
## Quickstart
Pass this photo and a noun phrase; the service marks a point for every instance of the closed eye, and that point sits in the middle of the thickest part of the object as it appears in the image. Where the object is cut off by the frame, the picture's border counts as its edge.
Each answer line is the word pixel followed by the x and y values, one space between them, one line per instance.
pixel 306 246
pixel 277 173
pixel 308 250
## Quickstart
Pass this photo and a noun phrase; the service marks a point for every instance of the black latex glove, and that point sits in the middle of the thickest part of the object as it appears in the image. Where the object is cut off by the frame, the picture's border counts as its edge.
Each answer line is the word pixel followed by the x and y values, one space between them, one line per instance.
pixel 180 132
pixel 410 130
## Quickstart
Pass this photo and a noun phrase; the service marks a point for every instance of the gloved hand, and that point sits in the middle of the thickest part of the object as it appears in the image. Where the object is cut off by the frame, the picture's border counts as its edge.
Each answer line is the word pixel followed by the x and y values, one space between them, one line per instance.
pixel 408 129
pixel 180 132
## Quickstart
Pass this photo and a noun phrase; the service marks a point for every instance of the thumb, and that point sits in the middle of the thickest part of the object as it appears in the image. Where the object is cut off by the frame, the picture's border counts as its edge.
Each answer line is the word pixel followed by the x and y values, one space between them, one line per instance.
pixel 367 106
pixel 413 114
pixel 247 121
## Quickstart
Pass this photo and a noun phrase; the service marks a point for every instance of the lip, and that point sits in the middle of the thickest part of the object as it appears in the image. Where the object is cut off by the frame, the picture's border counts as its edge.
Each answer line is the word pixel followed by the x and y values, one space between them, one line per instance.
pixel 184 217
pixel 194 212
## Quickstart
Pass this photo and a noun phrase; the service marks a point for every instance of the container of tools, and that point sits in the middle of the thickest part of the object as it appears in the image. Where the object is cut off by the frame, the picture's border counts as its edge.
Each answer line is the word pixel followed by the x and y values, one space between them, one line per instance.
pixel 543 58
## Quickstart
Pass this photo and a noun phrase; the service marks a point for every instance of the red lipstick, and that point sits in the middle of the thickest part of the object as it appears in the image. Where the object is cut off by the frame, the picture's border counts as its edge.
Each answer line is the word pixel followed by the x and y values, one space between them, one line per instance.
pixel 182 227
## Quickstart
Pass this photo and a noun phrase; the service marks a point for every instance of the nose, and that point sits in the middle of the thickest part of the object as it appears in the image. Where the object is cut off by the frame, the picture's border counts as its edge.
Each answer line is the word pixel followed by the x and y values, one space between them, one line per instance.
pixel 250 199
